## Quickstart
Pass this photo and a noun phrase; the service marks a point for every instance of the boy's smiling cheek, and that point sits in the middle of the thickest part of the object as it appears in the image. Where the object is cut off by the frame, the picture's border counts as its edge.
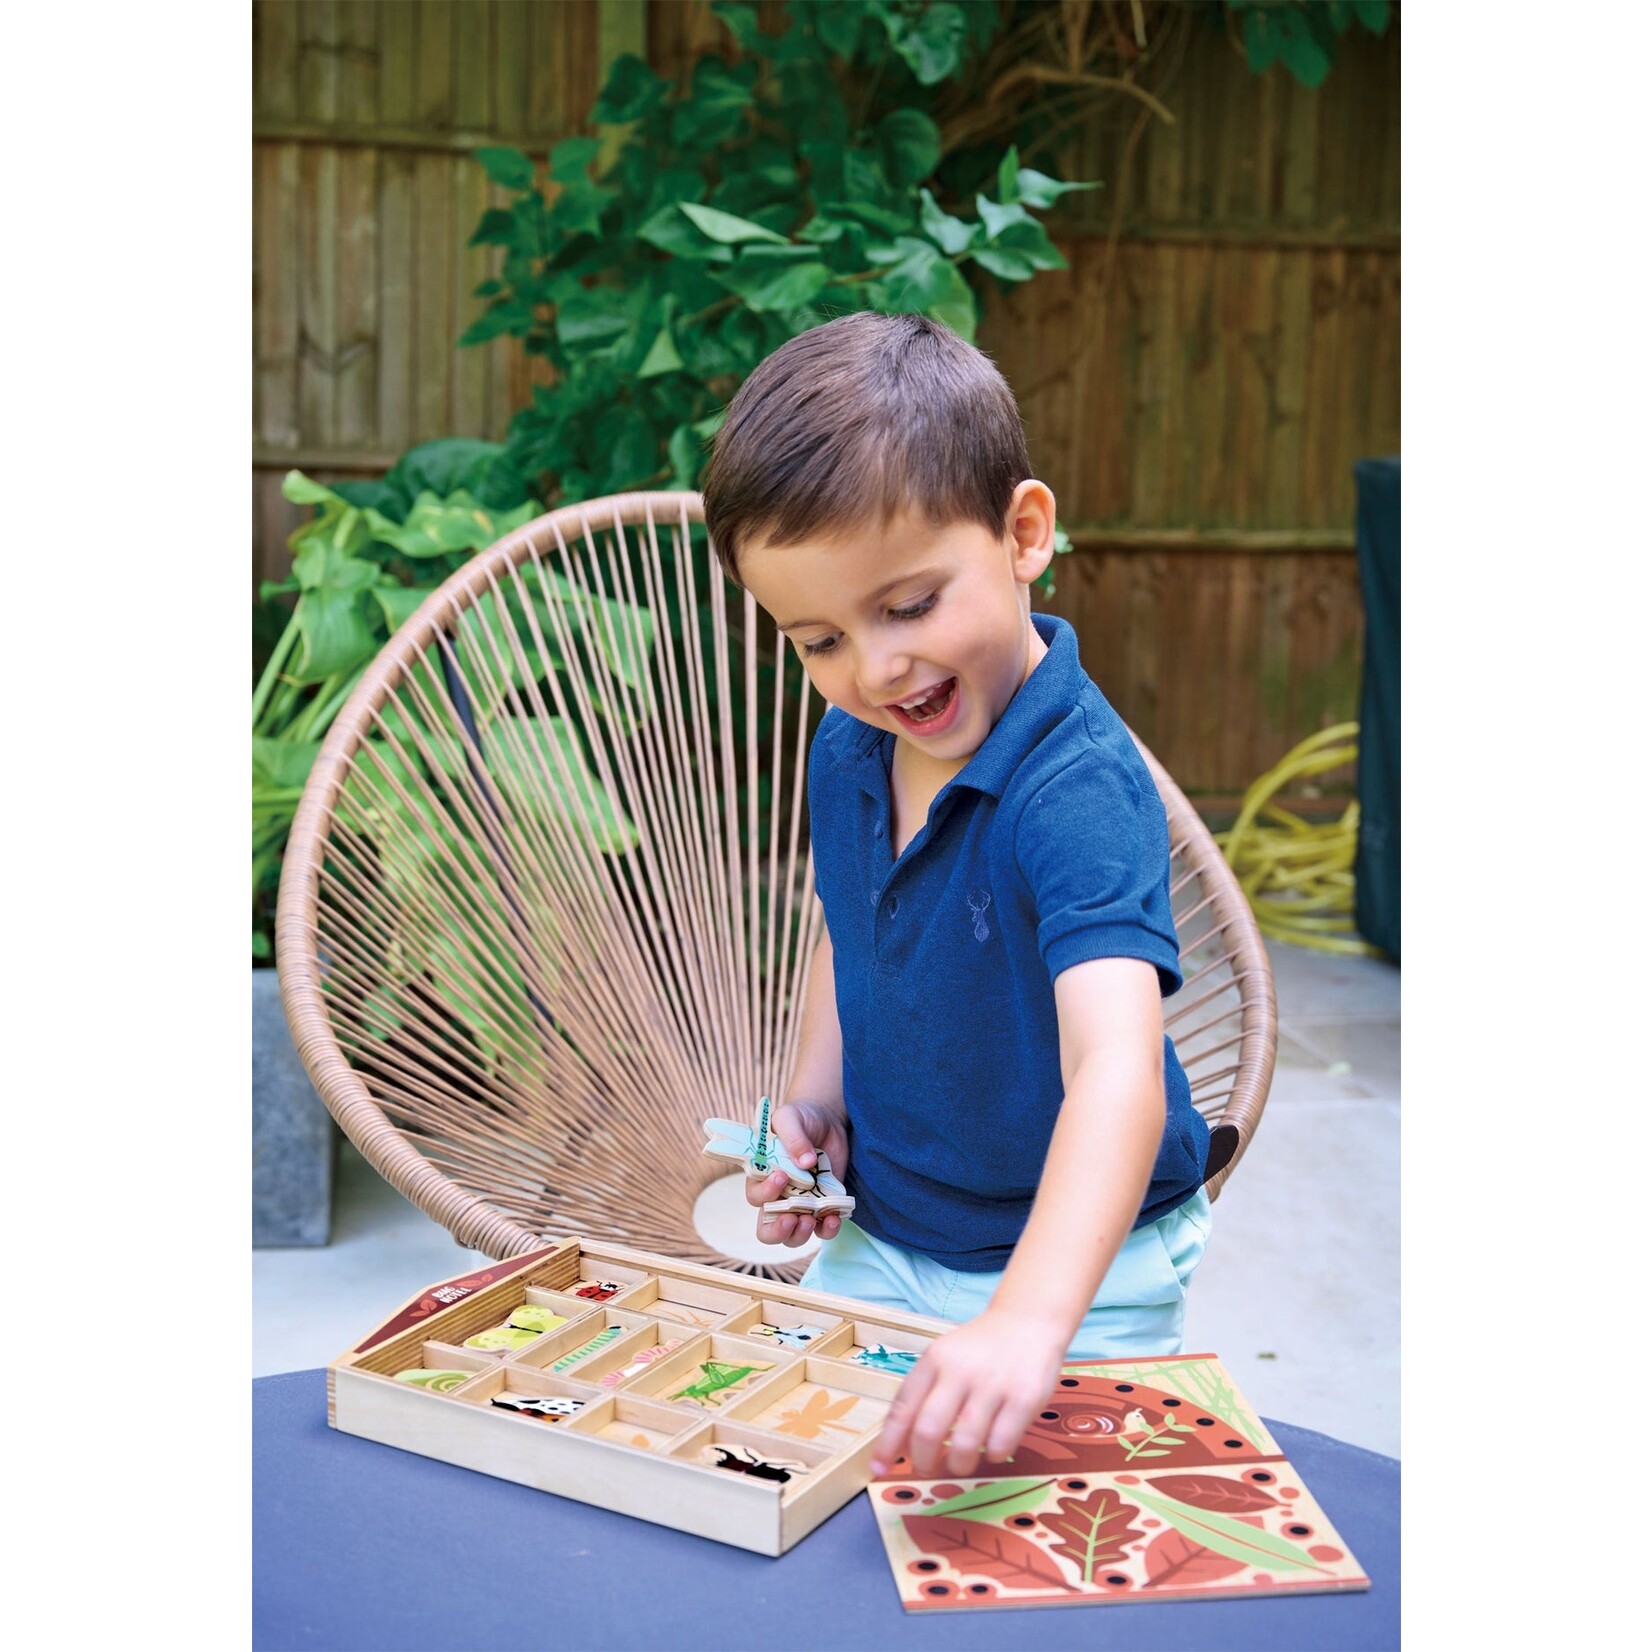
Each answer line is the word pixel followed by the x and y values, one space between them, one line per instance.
pixel 919 630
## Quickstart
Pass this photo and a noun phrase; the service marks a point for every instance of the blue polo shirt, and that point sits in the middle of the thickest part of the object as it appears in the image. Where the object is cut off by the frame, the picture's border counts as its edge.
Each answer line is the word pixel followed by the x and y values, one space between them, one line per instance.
pixel 1048 848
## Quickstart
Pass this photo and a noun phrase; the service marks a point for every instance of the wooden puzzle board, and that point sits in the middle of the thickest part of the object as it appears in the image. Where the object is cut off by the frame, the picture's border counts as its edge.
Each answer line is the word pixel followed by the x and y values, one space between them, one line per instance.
pixel 738 1410
pixel 1140 1480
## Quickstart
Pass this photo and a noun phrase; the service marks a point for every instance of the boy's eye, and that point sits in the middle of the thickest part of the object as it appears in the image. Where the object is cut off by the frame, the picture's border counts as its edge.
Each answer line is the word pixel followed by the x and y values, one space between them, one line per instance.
pixel 822 645
pixel 914 610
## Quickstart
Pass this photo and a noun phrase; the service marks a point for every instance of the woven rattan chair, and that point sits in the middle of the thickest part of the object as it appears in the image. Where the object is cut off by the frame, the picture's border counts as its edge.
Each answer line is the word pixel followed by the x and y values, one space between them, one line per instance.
pixel 548 902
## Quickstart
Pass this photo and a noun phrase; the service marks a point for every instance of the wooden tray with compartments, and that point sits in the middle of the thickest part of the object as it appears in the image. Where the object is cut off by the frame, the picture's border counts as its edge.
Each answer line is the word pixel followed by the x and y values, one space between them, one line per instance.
pixel 753 1429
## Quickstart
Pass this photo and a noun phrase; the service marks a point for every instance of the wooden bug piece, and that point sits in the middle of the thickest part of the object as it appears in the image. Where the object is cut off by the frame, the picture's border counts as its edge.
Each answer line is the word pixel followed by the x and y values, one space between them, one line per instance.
pixel 759 1150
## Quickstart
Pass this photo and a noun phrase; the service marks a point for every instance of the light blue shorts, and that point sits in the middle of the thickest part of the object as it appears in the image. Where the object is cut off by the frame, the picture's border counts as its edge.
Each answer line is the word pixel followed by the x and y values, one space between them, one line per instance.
pixel 1137 1311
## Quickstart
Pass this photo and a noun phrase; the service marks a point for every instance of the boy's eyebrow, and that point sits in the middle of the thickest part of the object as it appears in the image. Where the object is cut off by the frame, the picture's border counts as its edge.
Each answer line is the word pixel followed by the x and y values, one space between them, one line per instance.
pixel 876 597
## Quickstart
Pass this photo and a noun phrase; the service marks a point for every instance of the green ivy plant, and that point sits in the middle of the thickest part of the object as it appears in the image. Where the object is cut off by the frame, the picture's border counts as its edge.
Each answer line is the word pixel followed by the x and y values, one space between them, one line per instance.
pixel 799 180
pixel 1302 34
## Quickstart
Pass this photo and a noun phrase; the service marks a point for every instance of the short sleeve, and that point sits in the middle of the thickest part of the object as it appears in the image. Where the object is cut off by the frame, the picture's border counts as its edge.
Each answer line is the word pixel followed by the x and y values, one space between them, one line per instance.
pixel 1094 848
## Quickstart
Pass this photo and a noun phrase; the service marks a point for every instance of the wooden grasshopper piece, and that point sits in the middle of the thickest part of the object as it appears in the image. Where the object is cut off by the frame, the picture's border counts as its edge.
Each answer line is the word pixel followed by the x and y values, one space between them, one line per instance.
pixel 760 1151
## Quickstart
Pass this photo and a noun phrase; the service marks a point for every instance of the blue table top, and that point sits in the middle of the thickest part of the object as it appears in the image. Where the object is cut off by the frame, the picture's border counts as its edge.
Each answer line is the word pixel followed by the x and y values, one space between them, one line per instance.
pixel 358 1546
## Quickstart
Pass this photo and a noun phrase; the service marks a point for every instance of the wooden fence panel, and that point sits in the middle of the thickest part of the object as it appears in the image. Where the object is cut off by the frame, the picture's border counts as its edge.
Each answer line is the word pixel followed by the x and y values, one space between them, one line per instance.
pixel 1196 386
pixel 365 114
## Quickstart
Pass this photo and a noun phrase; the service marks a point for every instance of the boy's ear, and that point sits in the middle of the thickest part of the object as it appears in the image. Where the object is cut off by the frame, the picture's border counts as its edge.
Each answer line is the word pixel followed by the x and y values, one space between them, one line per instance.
pixel 1030 523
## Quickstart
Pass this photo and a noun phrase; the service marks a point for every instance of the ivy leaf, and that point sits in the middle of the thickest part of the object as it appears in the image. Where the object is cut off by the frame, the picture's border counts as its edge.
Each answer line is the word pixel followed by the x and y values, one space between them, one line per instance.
pixel 715 109
pixel 1004 262
pixel 838 26
pixel 999 218
pixel 952 303
pixel 509 167
pixel 1038 189
pixel 775 287
pixel 741 22
pixel 1009 174
pixel 662 357
pixel 931 44
pixel 671 232
pixel 494 229
pixel 910 143
pixel 725 227
pixel 571 159
pixel 1032 241
pixel 951 234
pixel 1374 14
pixel 631 90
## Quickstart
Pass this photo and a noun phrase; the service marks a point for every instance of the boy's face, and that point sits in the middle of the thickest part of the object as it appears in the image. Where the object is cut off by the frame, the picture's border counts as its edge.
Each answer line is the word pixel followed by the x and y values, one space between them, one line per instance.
pixel 912 628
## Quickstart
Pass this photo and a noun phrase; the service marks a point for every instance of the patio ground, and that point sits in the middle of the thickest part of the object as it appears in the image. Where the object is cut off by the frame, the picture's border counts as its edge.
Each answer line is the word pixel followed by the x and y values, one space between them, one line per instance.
pixel 1298 1292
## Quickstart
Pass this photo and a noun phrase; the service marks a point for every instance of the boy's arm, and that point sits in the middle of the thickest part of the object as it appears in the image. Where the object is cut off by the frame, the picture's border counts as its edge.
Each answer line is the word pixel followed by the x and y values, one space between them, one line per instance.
pixel 813 1114
pixel 979 1386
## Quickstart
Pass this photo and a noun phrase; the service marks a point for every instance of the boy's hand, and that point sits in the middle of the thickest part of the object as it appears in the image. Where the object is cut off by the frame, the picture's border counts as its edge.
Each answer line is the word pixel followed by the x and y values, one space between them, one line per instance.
pixel 803 1127
pixel 974 1391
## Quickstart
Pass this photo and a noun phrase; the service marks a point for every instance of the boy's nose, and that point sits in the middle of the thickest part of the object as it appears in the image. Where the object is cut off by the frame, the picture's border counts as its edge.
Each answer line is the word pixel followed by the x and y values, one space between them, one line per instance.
pixel 883 671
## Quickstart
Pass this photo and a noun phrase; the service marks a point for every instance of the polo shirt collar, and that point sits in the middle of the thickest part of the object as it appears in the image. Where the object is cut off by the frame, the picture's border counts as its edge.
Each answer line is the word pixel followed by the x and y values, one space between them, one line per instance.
pixel 1041 702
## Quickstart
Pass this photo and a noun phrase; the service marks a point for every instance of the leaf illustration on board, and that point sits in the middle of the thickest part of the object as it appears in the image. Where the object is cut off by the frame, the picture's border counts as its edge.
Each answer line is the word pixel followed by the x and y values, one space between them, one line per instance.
pixel 1173 1560
pixel 996 1500
pixel 1211 1491
pixel 973 1546
pixel 1094 1530
pixel 1228 1536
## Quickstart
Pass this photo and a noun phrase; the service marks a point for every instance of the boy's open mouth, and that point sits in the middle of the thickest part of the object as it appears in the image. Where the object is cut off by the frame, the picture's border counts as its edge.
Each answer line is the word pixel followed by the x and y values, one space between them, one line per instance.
pixel 920 714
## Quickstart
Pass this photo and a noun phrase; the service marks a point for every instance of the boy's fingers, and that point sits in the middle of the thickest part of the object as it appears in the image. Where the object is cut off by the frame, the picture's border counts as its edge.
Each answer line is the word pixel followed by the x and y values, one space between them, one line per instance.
pixel 776 1230
pixel 804 1230
pixel 892 1441
pixel 760 1190
pixel 931 1428
pixel 794 1138
pixel 1007 1428
pixel 971 1431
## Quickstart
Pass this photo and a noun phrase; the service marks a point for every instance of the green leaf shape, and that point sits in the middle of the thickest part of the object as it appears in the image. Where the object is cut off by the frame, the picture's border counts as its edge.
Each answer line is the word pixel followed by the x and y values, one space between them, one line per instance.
pixel 1234 1538
pixel 399 602
pixel 1004 262
pixel 437 527
pixel 283 763
pixel 995 1499
pixel 571 159
pixel 630 92
pixel 1009 173
pixel 951 235
pixel 1374 14
pixel 335 635
pixel 775 286
pixel 910 143
pixel 663 356
pixel 999 218
pixel 506 166
pixel 952 303
pixel 931 43
pixel 298 487
pixel 1038 189
pixel 741 22
pixel 725 227
pixel 539 765
pixel 667 229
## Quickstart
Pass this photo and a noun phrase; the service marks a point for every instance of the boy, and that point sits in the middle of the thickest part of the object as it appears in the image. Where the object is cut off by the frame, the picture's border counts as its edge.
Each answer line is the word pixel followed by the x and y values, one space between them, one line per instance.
pixel 982 1052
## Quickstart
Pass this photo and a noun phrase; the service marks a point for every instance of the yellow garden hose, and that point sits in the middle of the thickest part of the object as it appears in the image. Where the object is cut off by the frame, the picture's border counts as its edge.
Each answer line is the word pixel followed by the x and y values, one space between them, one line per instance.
pixel 1299 879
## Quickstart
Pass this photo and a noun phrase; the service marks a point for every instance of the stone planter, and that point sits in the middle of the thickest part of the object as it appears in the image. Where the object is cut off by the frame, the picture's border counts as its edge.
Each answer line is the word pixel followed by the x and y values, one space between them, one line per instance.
pixel 294 1137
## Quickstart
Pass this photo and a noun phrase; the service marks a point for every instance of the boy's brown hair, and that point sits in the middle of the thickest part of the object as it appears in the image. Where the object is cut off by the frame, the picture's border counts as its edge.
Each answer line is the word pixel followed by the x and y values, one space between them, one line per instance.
pixel 855 420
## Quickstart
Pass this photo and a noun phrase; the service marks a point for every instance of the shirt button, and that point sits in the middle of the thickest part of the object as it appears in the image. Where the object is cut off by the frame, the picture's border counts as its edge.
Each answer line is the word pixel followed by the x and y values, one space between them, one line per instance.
pixel 894 905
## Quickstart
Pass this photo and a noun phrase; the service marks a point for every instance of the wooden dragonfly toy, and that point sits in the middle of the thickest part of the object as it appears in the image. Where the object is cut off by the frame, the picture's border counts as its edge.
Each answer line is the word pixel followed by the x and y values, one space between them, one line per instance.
pixel 759 1150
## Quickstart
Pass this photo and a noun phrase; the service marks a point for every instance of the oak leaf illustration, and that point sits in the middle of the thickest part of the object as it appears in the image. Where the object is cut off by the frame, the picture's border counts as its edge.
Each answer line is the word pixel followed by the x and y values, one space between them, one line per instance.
pixel 990 1551
pixel 1211 1491
pixel 1094 1530
pixel 1173 1561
